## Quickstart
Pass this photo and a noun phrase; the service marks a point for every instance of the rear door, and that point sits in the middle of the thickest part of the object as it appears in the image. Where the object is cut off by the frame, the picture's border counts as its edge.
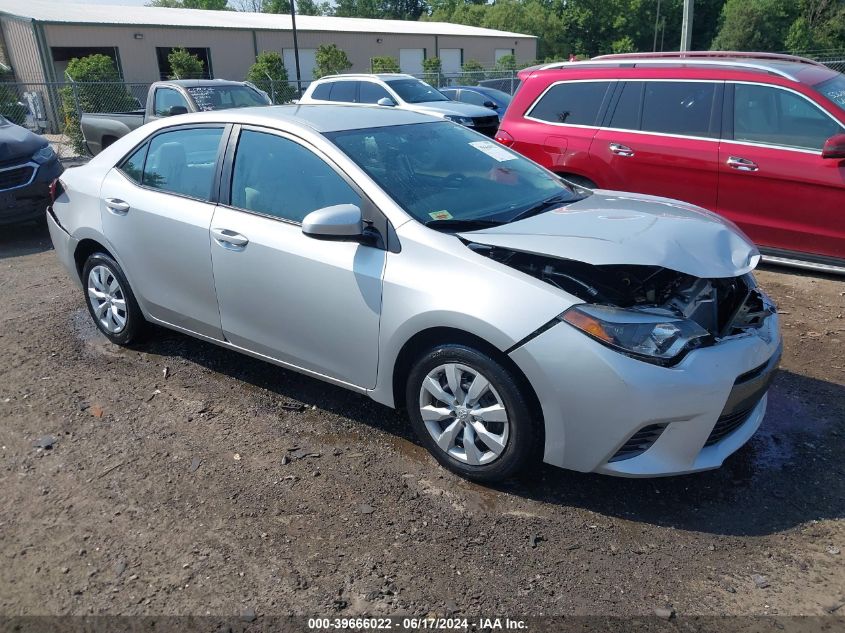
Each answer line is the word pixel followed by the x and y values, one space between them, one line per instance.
pixel 662 138
pixel 774 183
pixel 156 209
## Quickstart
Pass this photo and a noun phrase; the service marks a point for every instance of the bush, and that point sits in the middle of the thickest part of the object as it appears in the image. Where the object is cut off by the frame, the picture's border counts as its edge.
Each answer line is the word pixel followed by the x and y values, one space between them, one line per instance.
pixel 330 60
pixel 384 65
pixel 473 72
pixel 96 87
pixel 184 65
pixel 269 74
pixel 432 68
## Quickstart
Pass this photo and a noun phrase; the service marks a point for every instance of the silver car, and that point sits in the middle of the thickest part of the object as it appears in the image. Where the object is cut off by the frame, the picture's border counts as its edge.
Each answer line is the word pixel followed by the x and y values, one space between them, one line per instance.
pixel 514 316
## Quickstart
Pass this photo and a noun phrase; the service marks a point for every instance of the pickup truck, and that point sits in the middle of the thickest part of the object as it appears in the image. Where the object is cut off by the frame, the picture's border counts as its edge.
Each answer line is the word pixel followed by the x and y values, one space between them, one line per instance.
pixel 169 98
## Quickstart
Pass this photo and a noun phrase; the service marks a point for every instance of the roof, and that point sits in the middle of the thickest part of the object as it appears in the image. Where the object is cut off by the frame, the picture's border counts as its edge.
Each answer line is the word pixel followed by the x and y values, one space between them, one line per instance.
pixel 51 11
pixel 320 118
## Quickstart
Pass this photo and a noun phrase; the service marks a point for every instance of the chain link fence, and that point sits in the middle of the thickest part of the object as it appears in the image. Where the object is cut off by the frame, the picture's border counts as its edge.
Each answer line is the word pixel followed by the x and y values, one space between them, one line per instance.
pixel 55 110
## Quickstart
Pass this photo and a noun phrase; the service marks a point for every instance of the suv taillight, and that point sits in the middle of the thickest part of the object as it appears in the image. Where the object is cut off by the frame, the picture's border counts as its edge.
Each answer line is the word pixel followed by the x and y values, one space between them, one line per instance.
pixel 56 189
pixel 504 138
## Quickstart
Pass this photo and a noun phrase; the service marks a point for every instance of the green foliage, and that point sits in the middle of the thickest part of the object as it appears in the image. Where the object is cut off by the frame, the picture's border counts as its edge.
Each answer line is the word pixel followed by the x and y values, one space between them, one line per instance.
pixel 212 5
pixel 384 65
pixel 303 7
pixel 473 72
pixel 331 60
pixel 387 9
pixel 184 65
pixel 269 74
pixel 96 87
pixel 432 68
pixel 506 63
pixel 755 25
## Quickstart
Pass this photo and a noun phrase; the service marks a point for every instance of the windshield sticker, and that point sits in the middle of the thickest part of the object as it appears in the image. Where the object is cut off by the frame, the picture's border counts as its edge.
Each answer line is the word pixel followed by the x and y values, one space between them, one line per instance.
pixel 493 150
pixel 440 215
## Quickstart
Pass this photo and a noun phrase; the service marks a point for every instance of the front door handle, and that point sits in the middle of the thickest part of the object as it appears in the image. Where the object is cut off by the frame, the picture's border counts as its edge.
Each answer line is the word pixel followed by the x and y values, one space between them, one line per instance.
pixel 621 150
pixel 230 239
pixel 117 206
pixel 742 164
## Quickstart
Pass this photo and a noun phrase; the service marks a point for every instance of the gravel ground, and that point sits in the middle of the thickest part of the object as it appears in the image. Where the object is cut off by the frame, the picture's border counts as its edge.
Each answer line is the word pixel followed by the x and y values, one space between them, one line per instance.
pixel 183 479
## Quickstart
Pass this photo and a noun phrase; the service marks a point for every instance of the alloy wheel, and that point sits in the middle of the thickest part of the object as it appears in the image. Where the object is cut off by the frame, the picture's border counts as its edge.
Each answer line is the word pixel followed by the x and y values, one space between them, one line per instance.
pixel 107 299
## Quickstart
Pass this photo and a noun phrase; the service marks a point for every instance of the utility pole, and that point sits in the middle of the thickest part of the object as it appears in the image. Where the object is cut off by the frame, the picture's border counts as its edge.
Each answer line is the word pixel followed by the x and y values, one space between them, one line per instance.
pixel 656 26
pixel 686 26
pixel 295 47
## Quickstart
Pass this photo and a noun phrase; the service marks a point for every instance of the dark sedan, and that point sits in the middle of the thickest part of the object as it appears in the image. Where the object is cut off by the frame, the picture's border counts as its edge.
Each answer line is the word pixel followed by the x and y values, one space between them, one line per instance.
pixel 496 100
pixel 27 167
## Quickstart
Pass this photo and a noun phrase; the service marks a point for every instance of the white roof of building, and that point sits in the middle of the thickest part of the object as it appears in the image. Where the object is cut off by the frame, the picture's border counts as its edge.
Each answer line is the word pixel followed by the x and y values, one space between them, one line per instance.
pixel 55 11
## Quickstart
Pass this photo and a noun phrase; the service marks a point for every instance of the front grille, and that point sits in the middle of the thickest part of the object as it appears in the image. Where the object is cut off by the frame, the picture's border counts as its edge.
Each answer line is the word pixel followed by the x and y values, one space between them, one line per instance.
pixel 639 442
pixel 16 176
pixel 727 424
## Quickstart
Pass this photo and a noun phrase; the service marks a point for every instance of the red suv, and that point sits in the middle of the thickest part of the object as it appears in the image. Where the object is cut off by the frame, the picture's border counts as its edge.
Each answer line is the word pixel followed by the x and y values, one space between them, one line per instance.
pixel 758 138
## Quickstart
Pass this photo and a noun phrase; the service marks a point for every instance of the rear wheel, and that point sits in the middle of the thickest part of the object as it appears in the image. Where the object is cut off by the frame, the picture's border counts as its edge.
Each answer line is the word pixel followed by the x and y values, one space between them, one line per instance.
pixel 471 414
pixel 110 300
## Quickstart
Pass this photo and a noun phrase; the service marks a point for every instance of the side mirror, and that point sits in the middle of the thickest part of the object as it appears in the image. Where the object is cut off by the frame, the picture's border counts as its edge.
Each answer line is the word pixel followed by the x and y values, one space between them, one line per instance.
pixel 491 105
pixel 834 147
pixel 386 101
pixel 342 222
pixel 174 110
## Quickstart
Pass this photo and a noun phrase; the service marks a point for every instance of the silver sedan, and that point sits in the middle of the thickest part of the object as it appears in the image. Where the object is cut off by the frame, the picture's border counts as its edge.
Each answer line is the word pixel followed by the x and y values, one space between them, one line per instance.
pixel 515 316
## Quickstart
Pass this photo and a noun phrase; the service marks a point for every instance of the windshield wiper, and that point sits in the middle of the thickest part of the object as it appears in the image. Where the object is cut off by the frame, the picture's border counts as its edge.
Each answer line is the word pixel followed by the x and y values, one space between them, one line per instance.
pixel 461 225
pixel 546 204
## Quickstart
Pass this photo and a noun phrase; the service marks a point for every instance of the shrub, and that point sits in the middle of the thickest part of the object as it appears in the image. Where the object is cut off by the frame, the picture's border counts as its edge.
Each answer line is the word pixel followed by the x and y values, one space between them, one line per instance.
pixel 330 60
pixel 473 72
pixel 269 74
pixel 184 65
pixel 432 68
pixel 384 65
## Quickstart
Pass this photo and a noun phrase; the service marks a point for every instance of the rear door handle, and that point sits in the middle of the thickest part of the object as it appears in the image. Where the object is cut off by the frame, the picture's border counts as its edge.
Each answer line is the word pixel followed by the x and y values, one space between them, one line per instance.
pixel 230 239
pixel 117 206
pixel 742 164
pixel 621 150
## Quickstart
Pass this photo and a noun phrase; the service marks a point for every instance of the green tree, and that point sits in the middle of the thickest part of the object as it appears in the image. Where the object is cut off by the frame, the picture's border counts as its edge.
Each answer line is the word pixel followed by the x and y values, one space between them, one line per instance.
pixel 432 67
pixel 820 25
pixel 384 65
pixel 270 75
pixel 96 87
pixel 330 60
pixel 755 25
pixel 506 63
pixel 473 72
pixel 184 65
pixel 211 5
pixel 303 7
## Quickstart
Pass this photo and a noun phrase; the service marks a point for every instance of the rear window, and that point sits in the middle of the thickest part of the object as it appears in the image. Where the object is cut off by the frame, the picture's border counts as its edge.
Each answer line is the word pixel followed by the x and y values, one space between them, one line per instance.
pixel 572 103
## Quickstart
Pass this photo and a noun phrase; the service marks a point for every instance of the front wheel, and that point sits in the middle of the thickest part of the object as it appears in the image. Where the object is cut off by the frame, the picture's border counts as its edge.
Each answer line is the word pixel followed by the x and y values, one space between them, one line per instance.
pixel 110 300
pixel 471 414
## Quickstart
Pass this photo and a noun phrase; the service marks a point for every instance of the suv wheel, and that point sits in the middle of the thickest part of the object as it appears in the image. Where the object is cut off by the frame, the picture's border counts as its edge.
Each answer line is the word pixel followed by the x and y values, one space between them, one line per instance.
pixel 471 414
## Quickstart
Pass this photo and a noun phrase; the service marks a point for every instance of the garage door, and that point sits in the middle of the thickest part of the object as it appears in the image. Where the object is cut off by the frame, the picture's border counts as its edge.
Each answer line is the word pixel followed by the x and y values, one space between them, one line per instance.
pixel 450 61
pixel 307 62
pixel 411 60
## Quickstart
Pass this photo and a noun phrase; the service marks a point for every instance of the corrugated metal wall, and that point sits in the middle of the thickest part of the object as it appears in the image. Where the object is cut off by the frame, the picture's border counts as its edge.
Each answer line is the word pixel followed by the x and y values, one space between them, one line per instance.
pixel 22 49
pixel 233 51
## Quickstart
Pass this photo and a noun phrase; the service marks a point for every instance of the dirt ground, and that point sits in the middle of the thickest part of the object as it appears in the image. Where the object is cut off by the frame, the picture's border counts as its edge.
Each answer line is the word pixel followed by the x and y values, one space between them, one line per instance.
pixel 182 481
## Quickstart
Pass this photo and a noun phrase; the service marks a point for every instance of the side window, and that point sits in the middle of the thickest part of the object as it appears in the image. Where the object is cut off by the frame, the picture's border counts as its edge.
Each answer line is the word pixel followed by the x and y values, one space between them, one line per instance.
pixel 473 97
pixel 575 103
pixel 451 93
pixel 167 98
pixel 772 116
pixel 371 93
pixel 628 112
pixel 133 166
pixel 678 107
pixel 183 161
pixel 344 91
pixel 278 177
pixel 322 92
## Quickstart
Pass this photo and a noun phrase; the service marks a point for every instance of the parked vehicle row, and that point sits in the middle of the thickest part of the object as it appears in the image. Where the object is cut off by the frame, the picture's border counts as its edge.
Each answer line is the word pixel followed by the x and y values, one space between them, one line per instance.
pixel 427 266
pixel 759 139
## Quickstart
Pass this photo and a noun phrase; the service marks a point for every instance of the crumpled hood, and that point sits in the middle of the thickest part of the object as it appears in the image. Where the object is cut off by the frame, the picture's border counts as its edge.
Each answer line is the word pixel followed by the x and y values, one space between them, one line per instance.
pixel 454 108
pixel 611 227
pixel 18 142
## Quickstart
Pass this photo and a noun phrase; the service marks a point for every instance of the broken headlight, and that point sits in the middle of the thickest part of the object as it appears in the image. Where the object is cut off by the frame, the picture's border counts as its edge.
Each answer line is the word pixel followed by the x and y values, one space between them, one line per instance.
pixel 657 338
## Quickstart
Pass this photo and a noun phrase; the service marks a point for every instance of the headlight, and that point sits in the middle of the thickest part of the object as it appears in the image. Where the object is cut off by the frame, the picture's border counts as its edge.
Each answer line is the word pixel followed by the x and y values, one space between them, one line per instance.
pixel 45 154
pixel 463 120
pixel 650 336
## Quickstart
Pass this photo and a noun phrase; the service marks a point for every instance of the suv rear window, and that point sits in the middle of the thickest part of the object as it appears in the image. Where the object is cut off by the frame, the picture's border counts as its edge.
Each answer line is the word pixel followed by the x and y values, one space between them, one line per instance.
pixel 573 103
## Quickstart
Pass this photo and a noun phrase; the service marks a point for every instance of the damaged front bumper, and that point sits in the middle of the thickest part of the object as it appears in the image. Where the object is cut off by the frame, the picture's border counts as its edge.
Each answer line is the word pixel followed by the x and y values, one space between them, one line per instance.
pixel 601 408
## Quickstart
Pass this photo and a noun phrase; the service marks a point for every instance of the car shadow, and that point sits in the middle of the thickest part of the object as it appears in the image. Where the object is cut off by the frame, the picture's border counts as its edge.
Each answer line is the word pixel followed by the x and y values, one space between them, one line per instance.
pixel 791 472
pixel 26 238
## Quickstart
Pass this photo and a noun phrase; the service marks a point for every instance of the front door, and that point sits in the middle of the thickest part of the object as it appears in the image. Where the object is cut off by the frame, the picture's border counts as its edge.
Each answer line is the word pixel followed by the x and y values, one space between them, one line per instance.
pixel 774 183
pixel 309 303
pixel 156 213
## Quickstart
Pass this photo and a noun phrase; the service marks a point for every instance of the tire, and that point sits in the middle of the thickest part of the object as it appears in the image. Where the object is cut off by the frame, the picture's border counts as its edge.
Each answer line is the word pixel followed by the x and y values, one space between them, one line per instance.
pixel 508 447
pixel 113 308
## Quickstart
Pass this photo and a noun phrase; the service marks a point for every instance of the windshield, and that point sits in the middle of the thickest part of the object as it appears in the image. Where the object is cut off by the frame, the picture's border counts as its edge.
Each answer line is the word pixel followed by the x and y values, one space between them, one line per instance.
pixel 834 89
pixel 226 97
pixel 415 91
pixel 444 173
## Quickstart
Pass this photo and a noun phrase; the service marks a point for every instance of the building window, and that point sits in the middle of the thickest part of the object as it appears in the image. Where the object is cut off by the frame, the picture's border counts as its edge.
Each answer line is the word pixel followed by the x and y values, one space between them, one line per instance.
pixel 63 54
pixel 204 54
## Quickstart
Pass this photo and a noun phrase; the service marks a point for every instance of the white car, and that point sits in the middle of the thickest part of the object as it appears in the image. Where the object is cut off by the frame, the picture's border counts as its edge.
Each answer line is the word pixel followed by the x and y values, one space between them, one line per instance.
pixel 417 262
pixel 404 92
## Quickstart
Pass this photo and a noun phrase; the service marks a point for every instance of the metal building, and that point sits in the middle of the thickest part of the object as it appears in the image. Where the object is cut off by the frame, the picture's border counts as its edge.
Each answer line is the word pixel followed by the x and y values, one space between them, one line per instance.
pixel 41 36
